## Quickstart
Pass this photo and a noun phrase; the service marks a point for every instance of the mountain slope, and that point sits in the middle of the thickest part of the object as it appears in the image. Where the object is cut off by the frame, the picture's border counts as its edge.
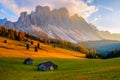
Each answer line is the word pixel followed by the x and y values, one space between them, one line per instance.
pixel 15 48
pixel 55 24
pixel 106 34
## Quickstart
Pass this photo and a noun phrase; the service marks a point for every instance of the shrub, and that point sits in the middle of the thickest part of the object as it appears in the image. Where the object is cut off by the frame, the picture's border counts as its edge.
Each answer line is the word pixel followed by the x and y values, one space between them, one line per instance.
pixel 5 41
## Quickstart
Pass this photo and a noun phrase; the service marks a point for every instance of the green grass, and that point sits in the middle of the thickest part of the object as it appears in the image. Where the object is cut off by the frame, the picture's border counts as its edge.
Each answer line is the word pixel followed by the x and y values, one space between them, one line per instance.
pixel 68 69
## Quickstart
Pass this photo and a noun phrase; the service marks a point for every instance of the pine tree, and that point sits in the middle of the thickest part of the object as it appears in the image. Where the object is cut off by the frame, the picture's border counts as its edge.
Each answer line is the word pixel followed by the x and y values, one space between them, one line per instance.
pixel 27 45
pixel 36 49
pixel 11 33
pixel 38 45
pixel 16 35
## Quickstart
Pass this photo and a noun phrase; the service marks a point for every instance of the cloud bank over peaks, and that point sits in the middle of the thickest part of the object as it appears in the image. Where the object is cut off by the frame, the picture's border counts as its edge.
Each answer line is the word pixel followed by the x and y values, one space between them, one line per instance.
pixel 73 6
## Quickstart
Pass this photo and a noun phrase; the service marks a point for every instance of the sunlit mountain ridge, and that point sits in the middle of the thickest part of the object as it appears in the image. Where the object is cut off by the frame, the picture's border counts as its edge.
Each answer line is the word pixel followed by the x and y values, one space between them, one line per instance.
pixel 58 24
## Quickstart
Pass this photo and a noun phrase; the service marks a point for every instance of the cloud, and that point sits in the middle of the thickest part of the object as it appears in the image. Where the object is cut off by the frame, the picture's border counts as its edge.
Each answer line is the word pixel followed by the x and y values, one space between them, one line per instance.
pixel 96 19
pixel 11 5
pixel 73 6
pixel 109 22
pixel 81 8
pixel 89 1
pixel 107 8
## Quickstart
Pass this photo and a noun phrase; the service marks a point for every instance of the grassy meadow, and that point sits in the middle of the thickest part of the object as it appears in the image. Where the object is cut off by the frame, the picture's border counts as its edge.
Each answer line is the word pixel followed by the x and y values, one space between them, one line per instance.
pixel 18 49
pixel 71 65
pixel 68 69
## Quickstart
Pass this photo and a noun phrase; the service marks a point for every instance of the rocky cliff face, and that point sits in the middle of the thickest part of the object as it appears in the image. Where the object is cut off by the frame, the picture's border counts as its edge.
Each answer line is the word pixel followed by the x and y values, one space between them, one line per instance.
pixel 55 24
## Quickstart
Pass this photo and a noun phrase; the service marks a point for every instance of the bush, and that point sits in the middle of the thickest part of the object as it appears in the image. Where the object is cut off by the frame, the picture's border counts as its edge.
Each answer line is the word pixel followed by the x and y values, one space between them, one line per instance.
pixel 5 41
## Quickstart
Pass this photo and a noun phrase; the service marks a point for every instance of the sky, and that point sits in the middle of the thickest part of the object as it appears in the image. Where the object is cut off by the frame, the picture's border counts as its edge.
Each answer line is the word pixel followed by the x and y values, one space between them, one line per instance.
pixel 104 14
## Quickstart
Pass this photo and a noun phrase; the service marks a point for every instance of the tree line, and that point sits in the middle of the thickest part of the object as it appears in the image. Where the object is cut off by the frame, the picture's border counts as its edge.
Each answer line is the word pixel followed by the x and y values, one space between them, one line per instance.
pixel 110 54
pixel 11 33
pixel 113 53
pixel 19 35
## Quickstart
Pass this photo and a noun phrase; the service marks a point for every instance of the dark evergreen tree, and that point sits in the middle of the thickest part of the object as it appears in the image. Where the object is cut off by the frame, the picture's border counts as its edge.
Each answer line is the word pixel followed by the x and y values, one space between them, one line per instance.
pixel 16 35
pixel 38 45
pixel 36 49
pixel 27 46
pixel 11 33
pixel 31 42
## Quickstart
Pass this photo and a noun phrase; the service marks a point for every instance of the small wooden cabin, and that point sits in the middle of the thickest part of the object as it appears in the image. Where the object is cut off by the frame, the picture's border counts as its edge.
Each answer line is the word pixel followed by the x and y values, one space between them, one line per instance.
pixel 47 66
pixel 28 61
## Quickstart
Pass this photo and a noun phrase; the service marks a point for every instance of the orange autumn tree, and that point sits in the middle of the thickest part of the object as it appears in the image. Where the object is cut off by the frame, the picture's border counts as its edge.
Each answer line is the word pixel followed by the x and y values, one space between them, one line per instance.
pixel 3 31
pixel 83 49
pixel 21 36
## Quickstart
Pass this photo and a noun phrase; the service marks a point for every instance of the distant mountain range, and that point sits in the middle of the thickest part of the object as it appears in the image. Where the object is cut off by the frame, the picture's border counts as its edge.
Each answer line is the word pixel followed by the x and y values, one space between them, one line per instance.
pixel 58 24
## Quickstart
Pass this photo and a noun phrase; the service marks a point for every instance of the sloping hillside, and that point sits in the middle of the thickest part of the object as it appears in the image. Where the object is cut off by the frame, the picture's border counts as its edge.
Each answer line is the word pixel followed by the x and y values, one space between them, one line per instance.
pixel 18 49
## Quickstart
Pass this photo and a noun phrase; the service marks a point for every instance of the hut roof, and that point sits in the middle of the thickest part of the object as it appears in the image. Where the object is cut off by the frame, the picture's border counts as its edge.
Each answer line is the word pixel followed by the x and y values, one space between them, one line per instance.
pixel 28 59
pixel 49 63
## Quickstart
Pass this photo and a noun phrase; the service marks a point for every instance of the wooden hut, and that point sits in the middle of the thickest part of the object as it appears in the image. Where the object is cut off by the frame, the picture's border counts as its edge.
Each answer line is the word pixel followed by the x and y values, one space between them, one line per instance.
pixel 28 61
pixel 47 66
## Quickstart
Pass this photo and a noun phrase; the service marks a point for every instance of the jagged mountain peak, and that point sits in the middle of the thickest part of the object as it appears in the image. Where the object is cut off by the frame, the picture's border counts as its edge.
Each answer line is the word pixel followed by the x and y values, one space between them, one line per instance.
pixel 40 9
pixel 63 10
pixel 76 17
pixel 23 17
pixel 56 23
pixel 23 14
pixel 60 12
